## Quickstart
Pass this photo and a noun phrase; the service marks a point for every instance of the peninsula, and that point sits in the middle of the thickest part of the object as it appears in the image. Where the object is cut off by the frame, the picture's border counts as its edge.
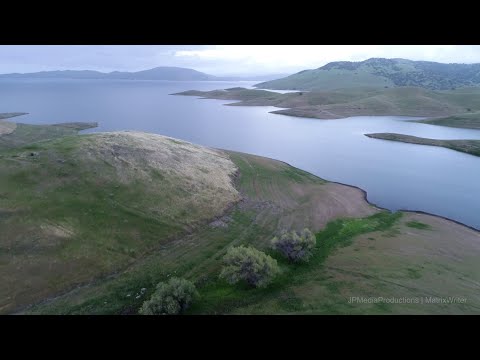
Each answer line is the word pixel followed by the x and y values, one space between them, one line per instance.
pixel 444 107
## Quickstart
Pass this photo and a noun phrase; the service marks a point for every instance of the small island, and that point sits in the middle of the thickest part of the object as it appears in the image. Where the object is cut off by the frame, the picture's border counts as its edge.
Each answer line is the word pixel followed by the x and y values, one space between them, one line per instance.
pixel 471 147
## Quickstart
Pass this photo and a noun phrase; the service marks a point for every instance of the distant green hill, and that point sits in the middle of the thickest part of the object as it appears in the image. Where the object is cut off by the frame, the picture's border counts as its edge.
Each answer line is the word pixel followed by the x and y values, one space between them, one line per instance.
pixel 378 72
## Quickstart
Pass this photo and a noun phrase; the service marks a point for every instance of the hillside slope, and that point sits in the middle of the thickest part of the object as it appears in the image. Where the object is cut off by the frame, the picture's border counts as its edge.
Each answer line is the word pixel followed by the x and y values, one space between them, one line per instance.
pixel 379 255
pixel 89 224
pixel 78 207
pixel 379 72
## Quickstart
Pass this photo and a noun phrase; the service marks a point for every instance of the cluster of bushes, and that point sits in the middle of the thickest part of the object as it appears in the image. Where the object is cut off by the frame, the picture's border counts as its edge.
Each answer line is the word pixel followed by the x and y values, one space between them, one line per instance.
pixel 250 265
pixel 295 246
pixel 241 264
pixel 170 298
pixel 257 268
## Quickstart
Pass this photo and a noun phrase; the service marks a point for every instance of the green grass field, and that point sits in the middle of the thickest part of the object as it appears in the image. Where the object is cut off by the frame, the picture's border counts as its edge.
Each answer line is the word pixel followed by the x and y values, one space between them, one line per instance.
pixel 90 220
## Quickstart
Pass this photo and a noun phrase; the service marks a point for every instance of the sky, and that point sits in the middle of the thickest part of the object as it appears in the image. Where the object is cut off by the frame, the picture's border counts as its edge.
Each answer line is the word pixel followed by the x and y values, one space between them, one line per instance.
pixel 221 60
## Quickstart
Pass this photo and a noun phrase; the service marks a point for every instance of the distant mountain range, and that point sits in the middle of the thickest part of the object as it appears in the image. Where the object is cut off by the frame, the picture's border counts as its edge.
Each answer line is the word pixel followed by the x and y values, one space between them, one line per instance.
pixel 371 73
pixel 379 72
pixel 158 73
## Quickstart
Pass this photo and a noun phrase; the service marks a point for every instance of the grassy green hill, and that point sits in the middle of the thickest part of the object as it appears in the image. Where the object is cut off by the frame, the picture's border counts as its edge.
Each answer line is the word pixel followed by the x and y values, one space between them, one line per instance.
pixel 379 72
pixel 88 221
pixel 77 207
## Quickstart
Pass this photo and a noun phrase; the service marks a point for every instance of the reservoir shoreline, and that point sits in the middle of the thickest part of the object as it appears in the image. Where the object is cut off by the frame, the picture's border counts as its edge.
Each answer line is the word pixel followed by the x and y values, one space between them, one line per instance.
pixel 365 194
pixel 395 176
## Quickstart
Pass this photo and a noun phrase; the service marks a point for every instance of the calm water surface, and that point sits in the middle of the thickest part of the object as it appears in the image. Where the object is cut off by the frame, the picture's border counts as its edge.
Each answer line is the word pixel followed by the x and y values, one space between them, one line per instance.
pixel 395 175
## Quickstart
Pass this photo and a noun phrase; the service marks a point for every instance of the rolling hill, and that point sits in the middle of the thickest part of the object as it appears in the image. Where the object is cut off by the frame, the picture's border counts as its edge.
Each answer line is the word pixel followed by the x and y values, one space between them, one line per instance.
pixel 380 73
pixel 89 224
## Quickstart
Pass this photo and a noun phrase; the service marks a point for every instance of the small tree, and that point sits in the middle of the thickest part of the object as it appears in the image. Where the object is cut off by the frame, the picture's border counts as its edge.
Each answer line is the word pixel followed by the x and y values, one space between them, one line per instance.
pixel 249 264
pixel 170 298
pixel 295 246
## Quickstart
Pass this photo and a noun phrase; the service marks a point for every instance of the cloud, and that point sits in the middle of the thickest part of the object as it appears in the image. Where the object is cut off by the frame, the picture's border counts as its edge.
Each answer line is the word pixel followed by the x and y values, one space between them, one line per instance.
pixel 29 58
pixel 216 59
pixel 290 58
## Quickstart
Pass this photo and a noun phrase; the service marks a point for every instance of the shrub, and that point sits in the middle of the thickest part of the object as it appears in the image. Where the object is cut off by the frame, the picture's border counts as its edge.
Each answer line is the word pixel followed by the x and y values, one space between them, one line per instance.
pixel 295 246
pixel 170 298
pixel 250 265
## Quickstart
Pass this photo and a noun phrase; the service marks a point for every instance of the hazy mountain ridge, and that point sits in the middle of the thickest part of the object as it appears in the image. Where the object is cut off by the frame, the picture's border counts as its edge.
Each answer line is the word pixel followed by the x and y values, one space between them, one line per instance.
pixel 381 72
pixel 157 73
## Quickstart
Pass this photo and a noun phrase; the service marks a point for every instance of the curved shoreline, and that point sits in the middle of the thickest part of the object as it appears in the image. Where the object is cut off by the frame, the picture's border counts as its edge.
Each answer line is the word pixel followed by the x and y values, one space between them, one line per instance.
pixel 365 196
pixel 364 192
pixel 303 111
pixel 421 212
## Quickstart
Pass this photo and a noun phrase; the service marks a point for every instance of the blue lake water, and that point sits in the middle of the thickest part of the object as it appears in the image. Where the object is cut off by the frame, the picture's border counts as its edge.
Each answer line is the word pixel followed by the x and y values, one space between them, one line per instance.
pixel 395 175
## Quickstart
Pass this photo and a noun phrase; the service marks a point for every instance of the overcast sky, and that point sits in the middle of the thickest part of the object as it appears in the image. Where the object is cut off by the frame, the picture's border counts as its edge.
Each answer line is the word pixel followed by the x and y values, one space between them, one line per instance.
pixel 216 59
